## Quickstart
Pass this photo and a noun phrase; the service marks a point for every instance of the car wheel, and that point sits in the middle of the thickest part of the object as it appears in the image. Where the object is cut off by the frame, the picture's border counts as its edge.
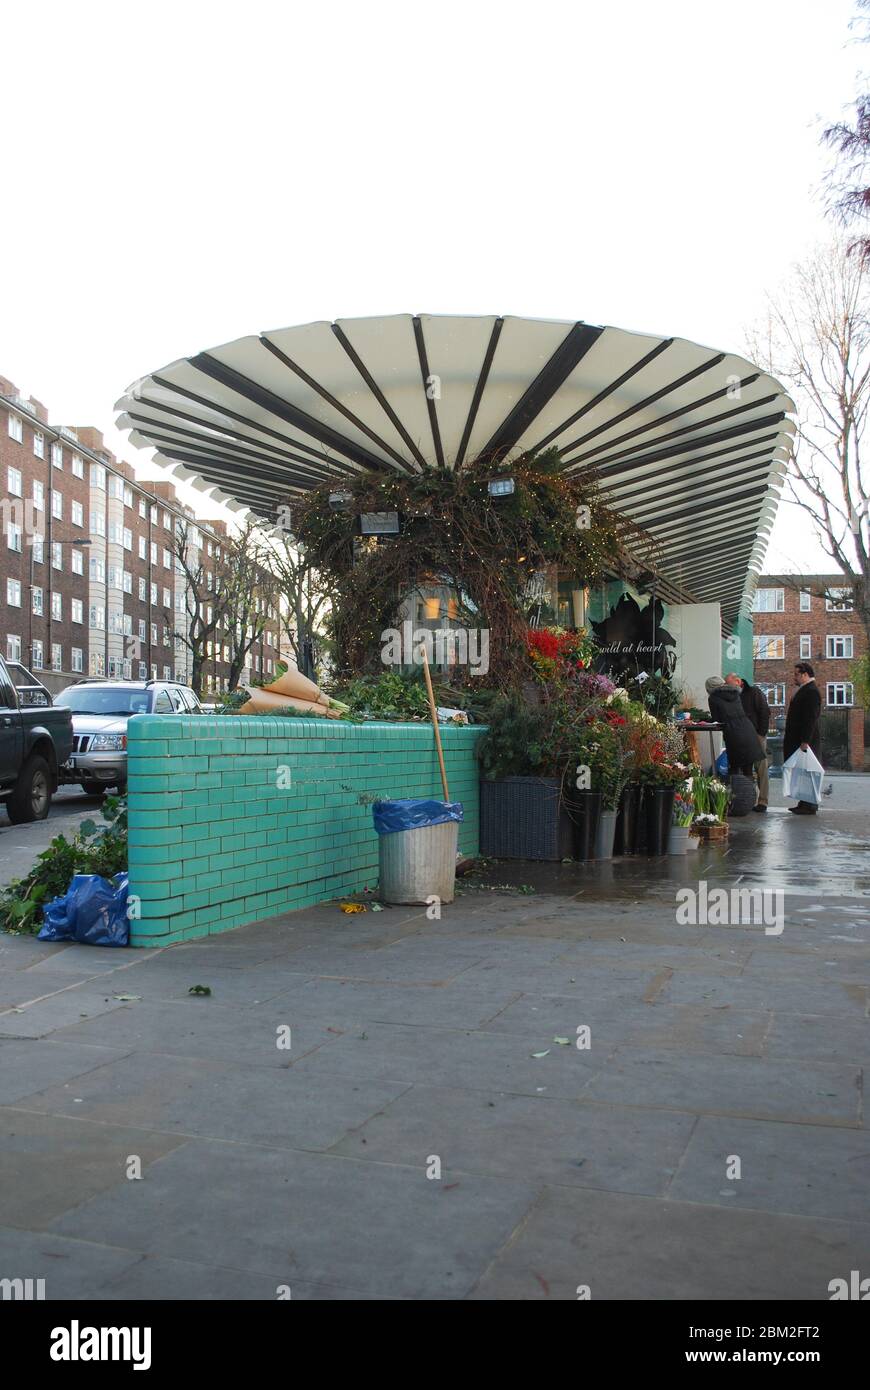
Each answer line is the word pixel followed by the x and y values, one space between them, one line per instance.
pixel 31 797
pixel 93 788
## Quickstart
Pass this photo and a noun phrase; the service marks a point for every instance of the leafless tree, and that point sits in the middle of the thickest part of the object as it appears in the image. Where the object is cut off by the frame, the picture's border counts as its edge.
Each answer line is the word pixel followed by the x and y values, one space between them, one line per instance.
pixel 205 608
pixel 848 183
pixel 252 595
pixel 816 340
pixel 304 597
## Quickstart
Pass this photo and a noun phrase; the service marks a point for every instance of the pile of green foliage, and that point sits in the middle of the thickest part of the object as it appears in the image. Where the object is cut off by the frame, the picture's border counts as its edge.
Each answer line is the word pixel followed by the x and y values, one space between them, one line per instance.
pixel 94 849
pixel 394 695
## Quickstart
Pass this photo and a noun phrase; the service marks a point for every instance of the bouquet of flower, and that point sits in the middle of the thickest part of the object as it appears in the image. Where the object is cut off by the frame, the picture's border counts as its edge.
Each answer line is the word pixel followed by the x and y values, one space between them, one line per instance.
pixel 711 798
pixel 684 809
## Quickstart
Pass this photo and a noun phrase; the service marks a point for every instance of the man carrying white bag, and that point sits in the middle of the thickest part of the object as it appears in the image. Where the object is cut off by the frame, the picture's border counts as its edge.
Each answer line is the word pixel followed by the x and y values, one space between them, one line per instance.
pixel 801 770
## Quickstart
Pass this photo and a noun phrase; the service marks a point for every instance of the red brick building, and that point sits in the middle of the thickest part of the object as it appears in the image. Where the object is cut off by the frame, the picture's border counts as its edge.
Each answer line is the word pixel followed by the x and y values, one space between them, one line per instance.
pixel 89 580
pixel 809 618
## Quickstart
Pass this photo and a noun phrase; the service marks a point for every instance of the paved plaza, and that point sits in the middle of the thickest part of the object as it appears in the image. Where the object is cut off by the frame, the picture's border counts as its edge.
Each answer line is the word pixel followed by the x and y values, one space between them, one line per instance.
pixel 433 1130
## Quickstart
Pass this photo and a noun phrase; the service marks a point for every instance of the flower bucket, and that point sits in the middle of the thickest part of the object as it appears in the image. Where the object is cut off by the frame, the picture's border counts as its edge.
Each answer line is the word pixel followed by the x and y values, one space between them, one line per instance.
pixel 627 819
pixel 604 837
pixel 678 840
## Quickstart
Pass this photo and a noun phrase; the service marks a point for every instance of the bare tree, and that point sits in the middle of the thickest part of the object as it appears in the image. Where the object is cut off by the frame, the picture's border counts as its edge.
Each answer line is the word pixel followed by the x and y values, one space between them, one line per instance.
pixel 252 592
pixel 817 341
pixel 300 587
pixel 205 608
pixel 848 183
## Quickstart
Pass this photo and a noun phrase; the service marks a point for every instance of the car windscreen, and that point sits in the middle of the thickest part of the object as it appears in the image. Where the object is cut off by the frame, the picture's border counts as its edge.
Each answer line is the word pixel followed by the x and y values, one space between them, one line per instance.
pixel 105 700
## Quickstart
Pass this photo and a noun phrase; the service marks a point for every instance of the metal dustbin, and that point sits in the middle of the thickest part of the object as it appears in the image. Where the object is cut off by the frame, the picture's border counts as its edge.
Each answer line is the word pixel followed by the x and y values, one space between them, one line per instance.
pixel 417 843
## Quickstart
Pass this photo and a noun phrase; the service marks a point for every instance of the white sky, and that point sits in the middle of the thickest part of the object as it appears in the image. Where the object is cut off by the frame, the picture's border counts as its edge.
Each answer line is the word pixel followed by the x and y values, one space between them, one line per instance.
pixel 179 174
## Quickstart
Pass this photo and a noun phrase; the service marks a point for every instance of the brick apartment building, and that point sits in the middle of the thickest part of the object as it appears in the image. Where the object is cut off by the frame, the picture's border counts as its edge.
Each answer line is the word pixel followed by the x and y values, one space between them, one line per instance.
pixel 89 581
pixel 809 618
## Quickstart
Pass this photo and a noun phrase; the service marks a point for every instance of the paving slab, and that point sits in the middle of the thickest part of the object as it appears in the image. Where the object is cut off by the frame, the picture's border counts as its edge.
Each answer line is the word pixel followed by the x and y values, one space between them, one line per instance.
pixel 813 1093
pixel 200 1027
pixel 373 1228
pixel 28 1065
pixel 627 1247
pixel 686 1028
pixel 807 1170
pixel 32 1189
pixel 477 1060
pixel 345 1003
pixel 773 993
pixel 248 1105
pixel 810 1037
pixel 532 1139
pixel 72 1269
pixel 42 1017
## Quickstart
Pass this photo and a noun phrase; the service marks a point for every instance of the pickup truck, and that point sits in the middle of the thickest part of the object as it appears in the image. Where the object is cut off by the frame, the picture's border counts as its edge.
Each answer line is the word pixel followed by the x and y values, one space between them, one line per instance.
pixel 35 740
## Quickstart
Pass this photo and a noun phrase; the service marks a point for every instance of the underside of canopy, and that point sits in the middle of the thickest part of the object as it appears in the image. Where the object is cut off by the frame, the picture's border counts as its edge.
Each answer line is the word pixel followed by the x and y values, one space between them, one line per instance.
pixel 690 443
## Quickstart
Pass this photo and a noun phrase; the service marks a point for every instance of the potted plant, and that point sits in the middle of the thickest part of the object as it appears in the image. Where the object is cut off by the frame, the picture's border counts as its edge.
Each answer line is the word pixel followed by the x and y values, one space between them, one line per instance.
pixel 528 798
pixel 681 823
pixel 605 754
pixel 711 805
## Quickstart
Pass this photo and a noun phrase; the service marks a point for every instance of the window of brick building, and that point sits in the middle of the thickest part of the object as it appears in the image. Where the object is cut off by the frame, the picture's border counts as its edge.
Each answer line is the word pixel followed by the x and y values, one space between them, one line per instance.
pixel 840 693
pixel 769 601
pixel 57 606
pixel 839 601
pixel 76 658
pixel 806 604
pixel 13 593
pixel 37 600
pixel 806 646
pixel 37 656
pixel 16 428
pixel 839 646
pixel 78 611
pixel 765 648
pixel 77 562
pixel 56 656
pixel 13 481
pixel 57 456
pixel 78 468
pixel 39 444
pixel 13 647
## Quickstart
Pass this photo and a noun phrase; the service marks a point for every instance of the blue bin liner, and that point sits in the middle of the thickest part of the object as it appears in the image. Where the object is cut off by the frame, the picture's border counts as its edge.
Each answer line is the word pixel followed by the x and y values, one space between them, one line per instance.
pixel 390 816
pixel 92 911
pixel 722 764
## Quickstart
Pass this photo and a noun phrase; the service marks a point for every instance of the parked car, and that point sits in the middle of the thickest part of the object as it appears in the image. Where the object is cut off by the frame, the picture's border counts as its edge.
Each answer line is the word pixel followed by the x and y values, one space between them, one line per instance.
pixel 100 710
pixel 35 741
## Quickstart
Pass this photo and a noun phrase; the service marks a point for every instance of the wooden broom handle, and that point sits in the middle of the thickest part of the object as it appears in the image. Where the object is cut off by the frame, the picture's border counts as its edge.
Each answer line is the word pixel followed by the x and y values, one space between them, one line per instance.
pixel 434 713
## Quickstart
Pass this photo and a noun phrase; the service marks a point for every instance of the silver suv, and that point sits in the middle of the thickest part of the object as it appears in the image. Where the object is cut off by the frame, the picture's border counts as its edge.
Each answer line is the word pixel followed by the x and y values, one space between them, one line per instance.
pixel 100 710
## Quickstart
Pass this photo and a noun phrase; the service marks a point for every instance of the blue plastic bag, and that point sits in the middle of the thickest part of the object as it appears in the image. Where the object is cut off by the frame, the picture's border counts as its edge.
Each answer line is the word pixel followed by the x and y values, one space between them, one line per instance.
pixel 92 911
pixel 722 764
pixel 390 816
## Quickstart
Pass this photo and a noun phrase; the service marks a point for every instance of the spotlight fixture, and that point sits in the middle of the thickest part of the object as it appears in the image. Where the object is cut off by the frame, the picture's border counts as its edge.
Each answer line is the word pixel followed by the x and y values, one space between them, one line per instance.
pixel 500 487
pixel 340 501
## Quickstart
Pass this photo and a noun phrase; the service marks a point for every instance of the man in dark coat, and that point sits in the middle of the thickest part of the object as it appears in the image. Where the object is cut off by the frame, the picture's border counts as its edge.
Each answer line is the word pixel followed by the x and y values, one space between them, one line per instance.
pixel 757 711
pixel 802 724
pixel 738 734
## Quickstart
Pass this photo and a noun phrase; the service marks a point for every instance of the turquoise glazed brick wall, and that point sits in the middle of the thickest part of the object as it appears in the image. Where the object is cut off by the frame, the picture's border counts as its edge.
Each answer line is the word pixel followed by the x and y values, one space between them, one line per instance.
pixel 218 838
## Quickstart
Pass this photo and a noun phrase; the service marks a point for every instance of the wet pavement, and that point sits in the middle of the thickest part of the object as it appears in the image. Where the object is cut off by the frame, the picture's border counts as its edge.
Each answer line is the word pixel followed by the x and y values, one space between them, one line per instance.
pixel 570 1081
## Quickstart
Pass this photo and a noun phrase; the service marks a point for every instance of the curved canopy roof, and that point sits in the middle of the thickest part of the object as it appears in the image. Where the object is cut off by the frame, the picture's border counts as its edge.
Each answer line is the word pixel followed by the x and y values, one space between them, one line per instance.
pixel 689 442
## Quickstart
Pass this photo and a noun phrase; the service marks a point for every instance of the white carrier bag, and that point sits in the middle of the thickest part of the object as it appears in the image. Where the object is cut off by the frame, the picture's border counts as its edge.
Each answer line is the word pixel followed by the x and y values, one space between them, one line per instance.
pixel 802 776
